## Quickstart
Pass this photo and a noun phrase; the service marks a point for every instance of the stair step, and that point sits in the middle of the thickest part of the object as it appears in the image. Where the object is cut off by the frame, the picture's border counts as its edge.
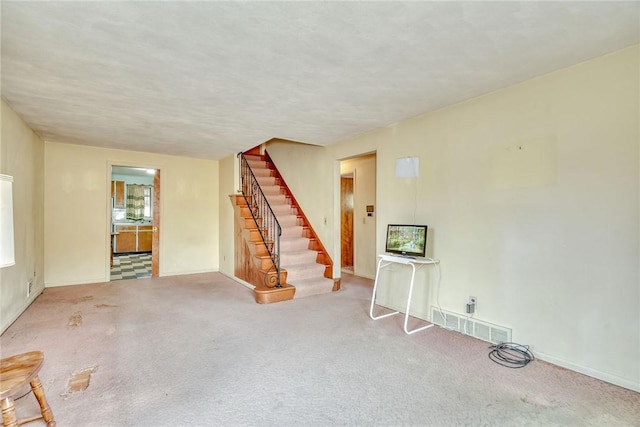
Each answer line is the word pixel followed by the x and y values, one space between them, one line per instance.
pixel 309 287
pixel 280 210
pixel 262 172
pixel 265 262
pixel 289 244
pixel 266 180
pixel 292 231
pixel 277 199
pixel 297 257
pixel 271 189
pixel 288 221
pixel 297 272
pixel 256 162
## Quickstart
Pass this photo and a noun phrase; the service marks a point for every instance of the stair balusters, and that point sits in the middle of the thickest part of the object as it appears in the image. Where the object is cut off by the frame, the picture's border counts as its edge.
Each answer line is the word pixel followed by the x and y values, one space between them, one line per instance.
pixel 265 219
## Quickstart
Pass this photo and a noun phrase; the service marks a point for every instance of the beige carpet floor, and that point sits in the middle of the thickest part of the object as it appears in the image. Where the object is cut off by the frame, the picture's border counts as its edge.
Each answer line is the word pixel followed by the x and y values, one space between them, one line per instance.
pixel 198 351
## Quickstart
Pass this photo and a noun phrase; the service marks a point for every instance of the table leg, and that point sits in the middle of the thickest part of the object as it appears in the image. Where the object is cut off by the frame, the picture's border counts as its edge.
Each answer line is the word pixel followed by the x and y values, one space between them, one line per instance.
pixel 406 313
pixel 373 296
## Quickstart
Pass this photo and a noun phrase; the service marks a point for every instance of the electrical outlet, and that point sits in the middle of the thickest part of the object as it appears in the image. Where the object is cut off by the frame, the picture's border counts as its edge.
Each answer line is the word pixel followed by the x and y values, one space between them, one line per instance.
pixel 29 288
pixel 470 307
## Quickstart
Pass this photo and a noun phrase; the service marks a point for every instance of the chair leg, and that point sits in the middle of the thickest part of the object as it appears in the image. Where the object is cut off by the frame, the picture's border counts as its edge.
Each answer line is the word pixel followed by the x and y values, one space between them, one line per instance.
pixel 47 414
pixel 9 418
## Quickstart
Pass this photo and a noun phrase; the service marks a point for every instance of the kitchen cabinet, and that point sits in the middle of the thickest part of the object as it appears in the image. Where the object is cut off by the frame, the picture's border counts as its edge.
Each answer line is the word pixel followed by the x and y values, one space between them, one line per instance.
pixel 117 192
pixel 145 237
pixel 132 238
pixel 126 239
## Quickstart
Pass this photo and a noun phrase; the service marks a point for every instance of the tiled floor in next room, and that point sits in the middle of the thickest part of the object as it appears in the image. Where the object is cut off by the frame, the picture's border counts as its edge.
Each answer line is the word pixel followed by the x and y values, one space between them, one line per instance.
pixel 131 266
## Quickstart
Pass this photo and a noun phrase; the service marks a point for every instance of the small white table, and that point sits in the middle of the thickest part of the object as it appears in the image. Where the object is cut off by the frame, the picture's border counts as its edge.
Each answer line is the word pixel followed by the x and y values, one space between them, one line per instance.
pixel 384 261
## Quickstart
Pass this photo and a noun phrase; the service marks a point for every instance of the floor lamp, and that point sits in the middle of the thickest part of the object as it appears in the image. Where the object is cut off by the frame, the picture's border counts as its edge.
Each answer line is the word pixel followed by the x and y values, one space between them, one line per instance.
pixel 7 254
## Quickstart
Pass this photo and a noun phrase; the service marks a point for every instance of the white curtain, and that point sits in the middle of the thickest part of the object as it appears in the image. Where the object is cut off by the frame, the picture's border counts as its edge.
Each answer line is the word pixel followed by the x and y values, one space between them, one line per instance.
pixel 135 201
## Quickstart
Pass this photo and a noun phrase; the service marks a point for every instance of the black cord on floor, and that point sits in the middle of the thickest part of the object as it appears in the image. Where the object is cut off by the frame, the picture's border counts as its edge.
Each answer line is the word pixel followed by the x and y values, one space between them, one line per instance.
pixel 511 355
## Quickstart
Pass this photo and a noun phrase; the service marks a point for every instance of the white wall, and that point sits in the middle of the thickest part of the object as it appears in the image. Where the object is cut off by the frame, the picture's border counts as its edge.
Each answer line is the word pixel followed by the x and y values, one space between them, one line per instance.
pixel 532 196
pixel 77 192
pixel 22 156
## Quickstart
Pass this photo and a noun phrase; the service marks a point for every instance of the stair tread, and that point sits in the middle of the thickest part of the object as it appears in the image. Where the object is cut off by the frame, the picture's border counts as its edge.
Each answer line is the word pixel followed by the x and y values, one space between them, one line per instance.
pixel 313 280
pixel 291 238
pixel 300 251
pixel 311 286
pixel 303 266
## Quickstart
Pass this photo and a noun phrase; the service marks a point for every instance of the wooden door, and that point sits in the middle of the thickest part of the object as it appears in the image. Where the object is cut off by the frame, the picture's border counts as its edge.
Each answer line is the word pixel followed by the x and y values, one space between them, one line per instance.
pixel 346 221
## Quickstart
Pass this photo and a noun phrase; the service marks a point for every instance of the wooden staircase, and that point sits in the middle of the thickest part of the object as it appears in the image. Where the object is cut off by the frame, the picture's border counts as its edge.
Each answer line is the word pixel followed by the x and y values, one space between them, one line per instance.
pixel 306 268
pixel 252 261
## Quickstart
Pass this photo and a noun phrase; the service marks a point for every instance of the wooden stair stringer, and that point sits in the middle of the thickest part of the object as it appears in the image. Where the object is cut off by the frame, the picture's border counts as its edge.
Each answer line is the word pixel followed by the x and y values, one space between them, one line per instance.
pixel 252 261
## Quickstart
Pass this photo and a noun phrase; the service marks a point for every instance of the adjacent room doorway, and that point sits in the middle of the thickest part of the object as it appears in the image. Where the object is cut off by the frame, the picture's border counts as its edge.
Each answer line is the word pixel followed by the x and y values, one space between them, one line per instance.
pixel 134 222
pixel 358 215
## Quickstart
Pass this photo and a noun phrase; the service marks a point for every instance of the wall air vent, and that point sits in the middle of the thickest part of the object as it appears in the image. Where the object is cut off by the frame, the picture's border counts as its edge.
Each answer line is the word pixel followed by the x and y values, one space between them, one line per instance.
pixel 470 326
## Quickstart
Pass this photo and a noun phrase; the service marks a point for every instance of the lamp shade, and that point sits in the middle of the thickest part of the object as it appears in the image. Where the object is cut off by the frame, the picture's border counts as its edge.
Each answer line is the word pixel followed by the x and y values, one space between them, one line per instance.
pixel 7 256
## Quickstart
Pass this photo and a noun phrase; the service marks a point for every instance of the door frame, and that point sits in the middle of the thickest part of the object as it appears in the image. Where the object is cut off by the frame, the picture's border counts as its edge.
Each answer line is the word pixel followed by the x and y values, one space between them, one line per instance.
pixel 157 211
pixel 357 270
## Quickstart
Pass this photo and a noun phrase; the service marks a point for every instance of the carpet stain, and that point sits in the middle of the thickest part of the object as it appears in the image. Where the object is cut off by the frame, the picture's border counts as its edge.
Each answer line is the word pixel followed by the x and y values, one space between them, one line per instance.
pixel 81 299
pixel 104 305
pixel 75 320
pixel 79 380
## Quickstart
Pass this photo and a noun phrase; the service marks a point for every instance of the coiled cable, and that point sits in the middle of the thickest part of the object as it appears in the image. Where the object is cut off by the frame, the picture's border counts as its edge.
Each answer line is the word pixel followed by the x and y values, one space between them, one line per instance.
pixel 511 355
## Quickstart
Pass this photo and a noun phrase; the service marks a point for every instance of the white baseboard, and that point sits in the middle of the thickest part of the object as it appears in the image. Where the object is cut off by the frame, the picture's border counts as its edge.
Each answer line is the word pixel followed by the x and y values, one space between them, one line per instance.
pixel 603 376
pixel 17 314
pixel 185 273
pixel 242 282
pixel 100 279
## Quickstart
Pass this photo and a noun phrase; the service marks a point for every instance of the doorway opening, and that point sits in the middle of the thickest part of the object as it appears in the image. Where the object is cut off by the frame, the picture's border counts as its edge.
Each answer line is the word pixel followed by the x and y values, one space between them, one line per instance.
pixel 358 215
pixel 134 222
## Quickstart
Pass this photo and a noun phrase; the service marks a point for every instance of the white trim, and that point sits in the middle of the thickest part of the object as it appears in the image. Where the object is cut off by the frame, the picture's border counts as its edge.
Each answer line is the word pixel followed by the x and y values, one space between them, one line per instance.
pixel 603 376
pixel 20 312
pixel 242 282
pixel 7 249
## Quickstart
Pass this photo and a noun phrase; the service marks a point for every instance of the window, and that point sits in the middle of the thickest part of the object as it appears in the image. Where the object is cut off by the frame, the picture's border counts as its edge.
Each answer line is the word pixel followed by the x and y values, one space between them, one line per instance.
pixel 148 202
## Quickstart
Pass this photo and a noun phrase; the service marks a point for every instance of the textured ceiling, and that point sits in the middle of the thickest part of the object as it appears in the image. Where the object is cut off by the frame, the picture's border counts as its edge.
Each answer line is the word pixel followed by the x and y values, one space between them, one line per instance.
pixel 207 79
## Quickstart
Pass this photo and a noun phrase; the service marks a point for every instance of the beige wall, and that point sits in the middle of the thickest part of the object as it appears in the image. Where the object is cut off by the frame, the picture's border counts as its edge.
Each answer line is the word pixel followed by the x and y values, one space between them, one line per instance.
pixel 532 196
pixel 228 185
pixel 77 212
pixel 22 156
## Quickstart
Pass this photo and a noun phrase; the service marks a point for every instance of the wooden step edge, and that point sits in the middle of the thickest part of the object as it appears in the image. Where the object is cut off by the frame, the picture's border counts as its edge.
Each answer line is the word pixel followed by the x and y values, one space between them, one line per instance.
pixel 255 151
pixel 238 199
pixel 264 295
